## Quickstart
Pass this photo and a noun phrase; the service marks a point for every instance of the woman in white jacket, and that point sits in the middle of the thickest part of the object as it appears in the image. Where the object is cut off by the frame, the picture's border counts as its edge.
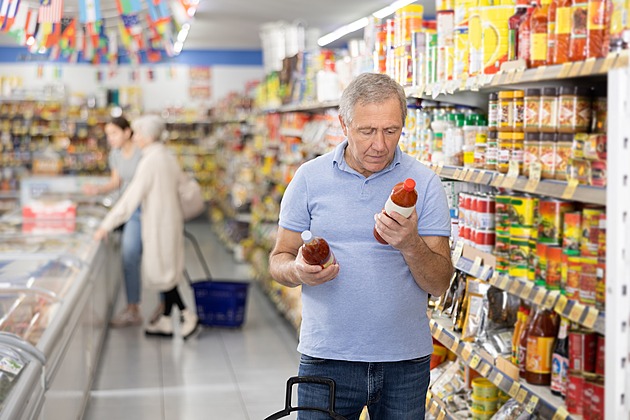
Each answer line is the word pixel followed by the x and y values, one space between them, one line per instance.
pixel 155 189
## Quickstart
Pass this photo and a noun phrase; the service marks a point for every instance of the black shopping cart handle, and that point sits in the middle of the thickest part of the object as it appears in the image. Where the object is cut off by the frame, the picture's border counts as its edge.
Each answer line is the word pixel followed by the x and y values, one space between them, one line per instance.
pixel 288 407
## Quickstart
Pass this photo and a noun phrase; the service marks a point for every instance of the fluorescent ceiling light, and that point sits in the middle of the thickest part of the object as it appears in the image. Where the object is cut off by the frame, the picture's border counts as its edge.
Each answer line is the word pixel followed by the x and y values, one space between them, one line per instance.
pixel 388 10
pixel 344 30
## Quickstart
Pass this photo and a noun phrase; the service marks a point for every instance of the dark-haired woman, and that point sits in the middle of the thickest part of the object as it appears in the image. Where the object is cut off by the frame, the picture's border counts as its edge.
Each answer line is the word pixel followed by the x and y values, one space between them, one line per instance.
pixel 123 161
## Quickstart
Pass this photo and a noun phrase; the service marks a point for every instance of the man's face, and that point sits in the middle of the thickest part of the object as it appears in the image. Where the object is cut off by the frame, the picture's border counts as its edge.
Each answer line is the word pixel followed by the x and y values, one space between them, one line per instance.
pixel 373 136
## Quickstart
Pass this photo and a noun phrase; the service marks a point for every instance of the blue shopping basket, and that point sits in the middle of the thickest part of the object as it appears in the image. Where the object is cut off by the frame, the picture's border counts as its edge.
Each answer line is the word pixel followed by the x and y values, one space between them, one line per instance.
pixel 219 303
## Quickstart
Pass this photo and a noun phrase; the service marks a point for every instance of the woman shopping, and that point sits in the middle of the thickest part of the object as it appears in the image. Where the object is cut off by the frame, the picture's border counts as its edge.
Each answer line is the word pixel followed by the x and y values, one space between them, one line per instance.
pixel 155 188
pixel 123 161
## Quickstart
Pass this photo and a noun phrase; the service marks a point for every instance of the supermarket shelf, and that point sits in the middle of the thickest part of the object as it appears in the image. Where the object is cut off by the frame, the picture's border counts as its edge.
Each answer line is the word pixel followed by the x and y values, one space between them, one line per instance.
pixel 536 399
pixel 550 188
pixel 291 132
pixel 228 120
pixel 303 107
pixel 437 408
pixel 512 74
pixel 481 265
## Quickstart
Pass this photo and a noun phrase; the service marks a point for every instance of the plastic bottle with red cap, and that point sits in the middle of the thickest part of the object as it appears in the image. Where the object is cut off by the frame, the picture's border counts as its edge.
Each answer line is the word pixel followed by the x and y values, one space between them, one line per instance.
pixel 402 200
pixel 316 250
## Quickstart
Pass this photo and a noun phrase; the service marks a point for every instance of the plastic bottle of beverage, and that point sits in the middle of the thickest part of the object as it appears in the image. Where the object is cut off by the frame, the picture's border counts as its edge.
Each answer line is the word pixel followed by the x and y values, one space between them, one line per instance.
pixel 316 250
pixel 541 336
pixel 560 361
pixel 401 200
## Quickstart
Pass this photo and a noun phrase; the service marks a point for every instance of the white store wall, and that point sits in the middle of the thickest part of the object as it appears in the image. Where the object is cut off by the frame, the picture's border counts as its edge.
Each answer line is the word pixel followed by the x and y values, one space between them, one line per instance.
pixel 169 86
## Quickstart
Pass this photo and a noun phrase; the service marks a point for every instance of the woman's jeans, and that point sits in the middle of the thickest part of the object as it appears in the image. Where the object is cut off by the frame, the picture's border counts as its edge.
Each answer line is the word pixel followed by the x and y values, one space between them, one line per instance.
pixel 391 390
pixel 131 247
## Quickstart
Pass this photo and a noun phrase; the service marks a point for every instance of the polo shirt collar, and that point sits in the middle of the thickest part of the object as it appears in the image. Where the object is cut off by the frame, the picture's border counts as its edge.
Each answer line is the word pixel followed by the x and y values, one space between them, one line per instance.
pixel 340 161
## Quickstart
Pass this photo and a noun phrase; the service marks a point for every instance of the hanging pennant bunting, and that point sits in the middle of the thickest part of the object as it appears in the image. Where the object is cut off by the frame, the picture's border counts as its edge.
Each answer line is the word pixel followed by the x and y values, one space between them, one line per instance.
pixel 128 7
pixel 112 55
pixel 32 24
pixel 68 35
pixel 54 53
pixel 90 11
pixel 134 28
pixel 50 11
pixel 17 29
pixel 11 14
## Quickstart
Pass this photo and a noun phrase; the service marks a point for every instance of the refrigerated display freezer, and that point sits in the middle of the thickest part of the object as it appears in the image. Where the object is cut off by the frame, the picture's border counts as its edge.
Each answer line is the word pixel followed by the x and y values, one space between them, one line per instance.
pixel 57 289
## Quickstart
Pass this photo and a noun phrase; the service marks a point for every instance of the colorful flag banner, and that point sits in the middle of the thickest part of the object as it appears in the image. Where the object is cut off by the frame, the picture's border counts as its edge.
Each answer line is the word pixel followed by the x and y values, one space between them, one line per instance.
pixel 32 24
pixel 50 11
pixel 159 11
pixel 90 11
pixel 128 7
pixel 9 18
pixel 112 53
pixel 18 28
pixel 68 35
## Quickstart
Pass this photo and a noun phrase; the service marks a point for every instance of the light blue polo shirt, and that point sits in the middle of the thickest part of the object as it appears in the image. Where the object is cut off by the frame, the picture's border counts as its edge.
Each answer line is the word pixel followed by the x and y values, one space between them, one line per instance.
pixel 373 311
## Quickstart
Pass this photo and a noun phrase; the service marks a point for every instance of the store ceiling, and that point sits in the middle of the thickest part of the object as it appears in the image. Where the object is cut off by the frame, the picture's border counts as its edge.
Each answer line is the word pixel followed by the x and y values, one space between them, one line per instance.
pixel 235 24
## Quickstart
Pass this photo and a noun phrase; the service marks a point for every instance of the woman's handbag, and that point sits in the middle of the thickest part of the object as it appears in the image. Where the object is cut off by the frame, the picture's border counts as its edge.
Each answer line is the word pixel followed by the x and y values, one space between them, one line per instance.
pixel 190 197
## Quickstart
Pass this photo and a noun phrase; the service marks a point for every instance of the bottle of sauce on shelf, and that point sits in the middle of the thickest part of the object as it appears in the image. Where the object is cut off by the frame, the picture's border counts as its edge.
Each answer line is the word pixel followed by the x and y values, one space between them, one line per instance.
pixel 563 32
pixel 551 30
pixel 539 35
pixel 514 22
pixel 577 41
pixel 316 250
pixel 401 200
pixel 560 361
pixel 541 336
pixel 520 318
pixel 524 36
pixel 522 342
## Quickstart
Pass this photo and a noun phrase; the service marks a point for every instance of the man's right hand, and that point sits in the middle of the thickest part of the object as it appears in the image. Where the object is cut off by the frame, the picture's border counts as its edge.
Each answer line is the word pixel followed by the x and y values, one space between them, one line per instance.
pixel 313 275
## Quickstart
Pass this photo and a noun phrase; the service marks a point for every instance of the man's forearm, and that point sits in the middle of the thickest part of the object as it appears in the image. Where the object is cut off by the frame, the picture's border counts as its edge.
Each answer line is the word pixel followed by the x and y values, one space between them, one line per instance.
pixel 432 270
pixel 281 269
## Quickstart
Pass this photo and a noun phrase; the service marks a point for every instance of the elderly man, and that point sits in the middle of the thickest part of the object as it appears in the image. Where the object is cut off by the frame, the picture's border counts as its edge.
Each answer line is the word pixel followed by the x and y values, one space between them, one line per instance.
pixel 364 320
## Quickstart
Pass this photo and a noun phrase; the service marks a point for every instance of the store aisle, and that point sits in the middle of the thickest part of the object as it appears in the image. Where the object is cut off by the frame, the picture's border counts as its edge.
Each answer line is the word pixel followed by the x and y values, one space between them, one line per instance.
pixel 220 374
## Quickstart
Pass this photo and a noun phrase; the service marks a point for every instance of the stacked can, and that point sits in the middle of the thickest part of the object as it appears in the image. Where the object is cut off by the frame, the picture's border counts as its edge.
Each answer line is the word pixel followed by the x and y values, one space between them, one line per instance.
pixel 477 221
pixel 523 236
pixel 502 226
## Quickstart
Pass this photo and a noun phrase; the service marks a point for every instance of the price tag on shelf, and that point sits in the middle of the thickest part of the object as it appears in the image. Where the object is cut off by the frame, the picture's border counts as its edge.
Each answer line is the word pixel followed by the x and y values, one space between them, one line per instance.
pixel 608 62
pixel 587 68
pixel 540 73
pixel 522 394
pixel 485 369
pixel 439 168
pixel 457 252
pixel 575 69
pixel 569 191
pixel 509 77
pixel 518 75
pixel 504 282
pixel 455 346
pixel 479 177
pixel 576 312
pixel 469 175
pixel 433 326
pixel 591 317
pixel 474 362
pixel 495 80
pixel 514 389
pixel 442 415
pixel 550 300
pixel 498 378
pixel 560 414
pixel 484 272
pixel 512 175
pixel 535 170
pixel 434 407
pixel 466 351
pixel 515 287
pixel 496 182
pixel 564 71
pixel 532 404
pixel 474 270
pixel 540 295
pixel 561 304
pixel 527 290
pixel 488 79
pixel 495 278
pixel 622 60
pixel 458 174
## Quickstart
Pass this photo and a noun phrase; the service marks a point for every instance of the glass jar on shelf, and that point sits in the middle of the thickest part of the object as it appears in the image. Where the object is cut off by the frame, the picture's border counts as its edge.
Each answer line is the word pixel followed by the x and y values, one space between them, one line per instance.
pixel 492 151
pixel 548 155
pixel 505 116
pixel 548 122
pixel 531 110
pixel 504 151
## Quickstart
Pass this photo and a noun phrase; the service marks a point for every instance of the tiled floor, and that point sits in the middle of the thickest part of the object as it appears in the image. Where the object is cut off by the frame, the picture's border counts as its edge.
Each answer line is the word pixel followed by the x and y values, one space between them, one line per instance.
pixel 222 374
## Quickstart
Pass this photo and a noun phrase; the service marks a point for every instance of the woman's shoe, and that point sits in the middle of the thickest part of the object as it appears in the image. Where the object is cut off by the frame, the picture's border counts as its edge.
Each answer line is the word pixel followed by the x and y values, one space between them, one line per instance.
pixel 157 313
pixel 163 327
pixel 126 318
pixel 189 323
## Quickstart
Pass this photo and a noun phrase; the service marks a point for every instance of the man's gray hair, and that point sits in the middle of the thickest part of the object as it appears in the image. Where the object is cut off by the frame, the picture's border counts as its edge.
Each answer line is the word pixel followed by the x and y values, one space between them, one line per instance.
pixel 371 88
pixel 150 126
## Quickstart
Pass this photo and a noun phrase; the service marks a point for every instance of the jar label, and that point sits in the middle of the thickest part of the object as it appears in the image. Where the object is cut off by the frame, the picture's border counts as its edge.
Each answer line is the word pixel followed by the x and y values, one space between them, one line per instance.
pixel 539 352
pixel 563 20
pixel 539 47
pixel 559 369
pixel 404 211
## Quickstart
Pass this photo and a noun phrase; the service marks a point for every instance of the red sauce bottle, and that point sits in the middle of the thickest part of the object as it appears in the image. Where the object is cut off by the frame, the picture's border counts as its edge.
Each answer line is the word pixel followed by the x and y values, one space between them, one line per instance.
pixel 541 338
pixel 316 250
pixel 402 199
pixel 522 342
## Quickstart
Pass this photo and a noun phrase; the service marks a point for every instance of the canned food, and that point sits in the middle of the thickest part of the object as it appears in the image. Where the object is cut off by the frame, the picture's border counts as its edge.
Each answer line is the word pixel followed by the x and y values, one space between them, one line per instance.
pixel 541 264
pixel 587 397
pixel 484 240
pixel 572 233
pixel 551 217
pixel 582 351
pixel 598 397
pixel 600 287
pixel 519 258
pixel 601 238
pixel 590 231
pixel 600 358
pixel 572 285
pixel 553 280
pixel 502 213
pixel 523 210
pixel 483 388
pixel 502 245
pixel 485 212
pixel 588 280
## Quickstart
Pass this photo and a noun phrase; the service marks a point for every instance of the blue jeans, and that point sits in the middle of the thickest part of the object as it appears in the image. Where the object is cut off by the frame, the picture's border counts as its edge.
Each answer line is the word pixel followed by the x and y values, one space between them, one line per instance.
pixel 131 248
pixel 391 390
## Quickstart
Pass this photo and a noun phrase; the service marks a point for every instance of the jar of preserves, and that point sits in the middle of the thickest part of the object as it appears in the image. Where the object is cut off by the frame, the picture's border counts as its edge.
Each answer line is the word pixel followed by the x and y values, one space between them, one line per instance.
pixel 505 117
pixel 480 150
pixel 493 111
pixel 564 147
pixel 548 155
pixel 505 152
pixel 531 110
pixel 531 151
pixel 518 140
pixel 600 115
pixel 492 151
pixel 574 109
pixel 548 122
pixel 518 110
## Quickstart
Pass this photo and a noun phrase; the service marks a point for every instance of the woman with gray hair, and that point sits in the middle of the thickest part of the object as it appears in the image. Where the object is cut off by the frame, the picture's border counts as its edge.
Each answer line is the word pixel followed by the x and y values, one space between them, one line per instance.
pixel 155 189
